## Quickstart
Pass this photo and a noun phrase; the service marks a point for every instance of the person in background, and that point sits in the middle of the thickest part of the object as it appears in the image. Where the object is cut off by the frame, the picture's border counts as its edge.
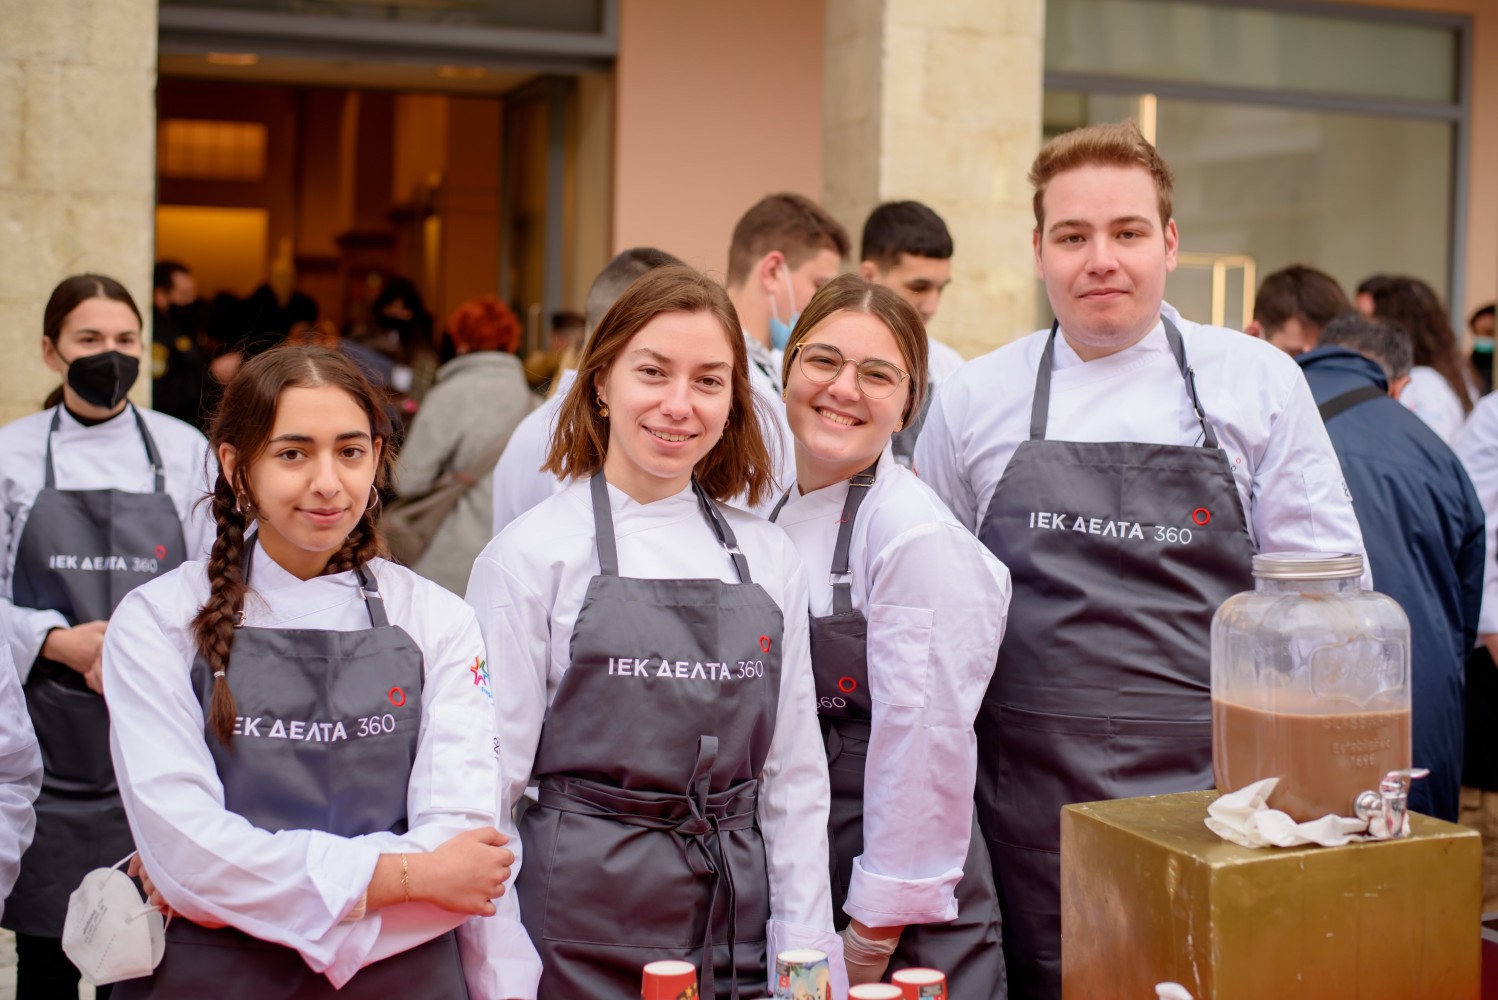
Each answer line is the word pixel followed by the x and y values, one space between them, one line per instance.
pixel 1410 492
pixel 1293 304
pixel 905 628
pixel 304 730
pixel 20 774
pixel 97 497
pixel 519 482
pixel 782 250
pixel 178 364
pixel 1477 446
pixel 652 646
pixel 1481 325
pixel 1442 385
pixel 563 344
pixel 479 398
pixel 1125 465
pixel 906 247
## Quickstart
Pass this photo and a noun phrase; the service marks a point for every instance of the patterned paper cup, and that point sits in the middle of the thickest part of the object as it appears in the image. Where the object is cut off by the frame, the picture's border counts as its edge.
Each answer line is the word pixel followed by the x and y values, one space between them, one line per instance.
pixel 669 980
pixel 802 974
pixel 921 984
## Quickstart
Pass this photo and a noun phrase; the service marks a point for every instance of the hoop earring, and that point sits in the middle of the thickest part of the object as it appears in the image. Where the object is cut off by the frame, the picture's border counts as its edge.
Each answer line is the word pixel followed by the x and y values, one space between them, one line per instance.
pixel 374 499
pixel 243 506
pixel 603 408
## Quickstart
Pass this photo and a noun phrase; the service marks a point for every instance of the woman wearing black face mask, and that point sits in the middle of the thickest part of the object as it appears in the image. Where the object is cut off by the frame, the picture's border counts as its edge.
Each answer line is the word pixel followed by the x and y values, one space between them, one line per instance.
pixel 96 498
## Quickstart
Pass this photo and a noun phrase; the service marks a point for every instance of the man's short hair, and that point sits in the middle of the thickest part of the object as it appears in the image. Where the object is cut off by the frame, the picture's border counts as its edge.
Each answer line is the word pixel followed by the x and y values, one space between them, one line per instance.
pixel 1381 340
pixel 1302 292
pixel 904 227
pixel 165 273
pixel 791 223
pixel 1118 144
pixel 617 275
pixel 1488 310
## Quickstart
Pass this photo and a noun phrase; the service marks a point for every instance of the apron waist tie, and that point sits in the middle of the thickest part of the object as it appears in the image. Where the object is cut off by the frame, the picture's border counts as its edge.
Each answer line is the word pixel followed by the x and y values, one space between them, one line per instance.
pixel 692 815
pixel 837 732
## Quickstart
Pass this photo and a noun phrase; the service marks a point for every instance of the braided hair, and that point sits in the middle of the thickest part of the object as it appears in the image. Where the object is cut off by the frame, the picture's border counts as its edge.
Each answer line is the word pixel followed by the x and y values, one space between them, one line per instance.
pixel 244 421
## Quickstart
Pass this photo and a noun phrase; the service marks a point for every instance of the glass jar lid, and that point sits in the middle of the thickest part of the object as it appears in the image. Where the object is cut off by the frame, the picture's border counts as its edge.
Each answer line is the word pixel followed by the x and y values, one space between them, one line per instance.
pixel 1307 565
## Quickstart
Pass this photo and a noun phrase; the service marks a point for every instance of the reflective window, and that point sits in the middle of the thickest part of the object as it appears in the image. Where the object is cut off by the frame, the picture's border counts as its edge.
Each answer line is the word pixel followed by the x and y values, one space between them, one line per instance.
pixel 1272 49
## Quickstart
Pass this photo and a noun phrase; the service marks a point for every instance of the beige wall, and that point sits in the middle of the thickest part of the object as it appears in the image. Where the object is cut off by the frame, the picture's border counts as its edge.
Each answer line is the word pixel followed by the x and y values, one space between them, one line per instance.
pixel 717 105
pixel 1482 192
pixel 77 164
pixel 939 101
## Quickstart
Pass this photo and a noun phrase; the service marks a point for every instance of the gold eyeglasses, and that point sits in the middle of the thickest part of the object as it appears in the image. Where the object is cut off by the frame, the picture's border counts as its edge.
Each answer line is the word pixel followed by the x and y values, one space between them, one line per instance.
pixel 824 363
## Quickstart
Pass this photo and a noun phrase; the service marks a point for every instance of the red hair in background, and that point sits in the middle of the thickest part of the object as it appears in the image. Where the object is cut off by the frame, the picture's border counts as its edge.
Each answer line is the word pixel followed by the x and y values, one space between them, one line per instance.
pixel 484 325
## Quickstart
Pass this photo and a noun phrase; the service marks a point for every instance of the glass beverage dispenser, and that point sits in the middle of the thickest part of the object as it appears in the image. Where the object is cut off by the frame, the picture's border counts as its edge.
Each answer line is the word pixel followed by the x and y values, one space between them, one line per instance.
pixel 1310 684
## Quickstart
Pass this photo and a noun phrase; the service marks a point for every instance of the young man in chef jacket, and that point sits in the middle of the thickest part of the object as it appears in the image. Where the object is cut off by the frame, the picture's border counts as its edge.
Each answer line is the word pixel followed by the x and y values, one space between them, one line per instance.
pixel 906 248
pixel 1125 465
pixel 783 250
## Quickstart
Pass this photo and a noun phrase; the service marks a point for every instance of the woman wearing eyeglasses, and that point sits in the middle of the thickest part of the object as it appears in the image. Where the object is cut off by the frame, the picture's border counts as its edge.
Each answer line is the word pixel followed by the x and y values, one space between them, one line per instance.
pixel 905 627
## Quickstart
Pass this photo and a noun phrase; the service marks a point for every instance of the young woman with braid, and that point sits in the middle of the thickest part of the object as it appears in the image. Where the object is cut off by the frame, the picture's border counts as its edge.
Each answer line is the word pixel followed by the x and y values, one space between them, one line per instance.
pixel 303 731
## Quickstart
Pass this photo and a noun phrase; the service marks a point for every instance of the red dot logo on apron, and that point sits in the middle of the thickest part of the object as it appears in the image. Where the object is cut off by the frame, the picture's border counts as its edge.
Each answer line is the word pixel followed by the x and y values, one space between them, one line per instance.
pixel 847 685
pixel 161 552
pixel 1201 515
pixel 397 697
pixel 764 644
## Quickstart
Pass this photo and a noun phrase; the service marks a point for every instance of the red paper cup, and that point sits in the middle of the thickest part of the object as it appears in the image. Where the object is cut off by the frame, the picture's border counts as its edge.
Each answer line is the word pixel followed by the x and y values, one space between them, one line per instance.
pixel 875 991
pixel 921 984
pixel 669 980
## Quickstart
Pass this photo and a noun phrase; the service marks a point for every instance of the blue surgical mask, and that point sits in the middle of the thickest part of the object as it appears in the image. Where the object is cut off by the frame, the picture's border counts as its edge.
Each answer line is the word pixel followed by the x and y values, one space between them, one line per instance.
pixel 780 333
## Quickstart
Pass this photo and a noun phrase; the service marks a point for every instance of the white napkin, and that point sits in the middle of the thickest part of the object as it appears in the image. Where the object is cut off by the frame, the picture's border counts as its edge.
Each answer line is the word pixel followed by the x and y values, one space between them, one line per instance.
pixel 1244 817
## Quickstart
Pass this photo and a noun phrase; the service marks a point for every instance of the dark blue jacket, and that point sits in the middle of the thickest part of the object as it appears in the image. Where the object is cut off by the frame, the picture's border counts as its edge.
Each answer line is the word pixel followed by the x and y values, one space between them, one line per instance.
pixel 1423 527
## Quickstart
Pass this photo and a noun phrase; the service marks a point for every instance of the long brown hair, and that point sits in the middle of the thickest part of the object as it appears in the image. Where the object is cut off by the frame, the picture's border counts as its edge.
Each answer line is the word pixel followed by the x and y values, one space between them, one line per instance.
pixel 852 292
pixel 244 420
pixel 1415 306
pixel 71 293
pixel 739 464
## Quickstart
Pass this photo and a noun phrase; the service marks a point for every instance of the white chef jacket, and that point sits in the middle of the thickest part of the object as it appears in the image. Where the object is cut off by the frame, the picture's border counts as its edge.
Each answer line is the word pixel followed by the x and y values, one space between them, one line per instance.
pixel 296 887
pixel 20 775
pixel 941 362
pixel 528 586
pixel 764 379
pixel 936 601
pixel 108 455
pixel 1254 394
pixel 1430 397
pixel 1477 446
pixel 519 483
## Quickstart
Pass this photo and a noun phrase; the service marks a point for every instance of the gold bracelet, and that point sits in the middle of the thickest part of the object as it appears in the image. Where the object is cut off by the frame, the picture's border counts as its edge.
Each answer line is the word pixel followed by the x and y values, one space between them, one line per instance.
pixel 405 880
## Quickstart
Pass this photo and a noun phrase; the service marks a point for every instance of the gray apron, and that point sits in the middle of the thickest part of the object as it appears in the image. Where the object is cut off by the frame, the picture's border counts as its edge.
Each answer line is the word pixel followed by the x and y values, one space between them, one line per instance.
pixel 327 735
pixel 80 553
pixel 902 442
pixel 1103 686
pixel 967 948
pixel 645 841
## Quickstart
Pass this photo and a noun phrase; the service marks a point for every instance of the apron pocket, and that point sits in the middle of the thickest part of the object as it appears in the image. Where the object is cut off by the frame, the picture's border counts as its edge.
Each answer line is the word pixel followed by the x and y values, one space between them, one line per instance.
pixel 613 883
pixel 72 728
pixel 1158 757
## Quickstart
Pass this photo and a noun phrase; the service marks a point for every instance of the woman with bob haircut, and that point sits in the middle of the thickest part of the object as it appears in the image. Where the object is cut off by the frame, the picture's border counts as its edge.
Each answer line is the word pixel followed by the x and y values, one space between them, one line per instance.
pixel 905 628
pixel 303 730
pixel 652 644
pixel 96 498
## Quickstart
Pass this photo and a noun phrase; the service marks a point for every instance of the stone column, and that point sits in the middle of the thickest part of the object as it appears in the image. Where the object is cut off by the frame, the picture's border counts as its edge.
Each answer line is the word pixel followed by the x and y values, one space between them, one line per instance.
pixel 940 101
pixel 77 169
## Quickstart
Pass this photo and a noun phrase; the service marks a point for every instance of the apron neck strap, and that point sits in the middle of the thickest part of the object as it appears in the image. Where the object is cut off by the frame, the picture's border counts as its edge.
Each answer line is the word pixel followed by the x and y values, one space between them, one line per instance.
pixel 1041 406
pixel 840 578
pixel 49 480
pixel 368 587
pixel 608 548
